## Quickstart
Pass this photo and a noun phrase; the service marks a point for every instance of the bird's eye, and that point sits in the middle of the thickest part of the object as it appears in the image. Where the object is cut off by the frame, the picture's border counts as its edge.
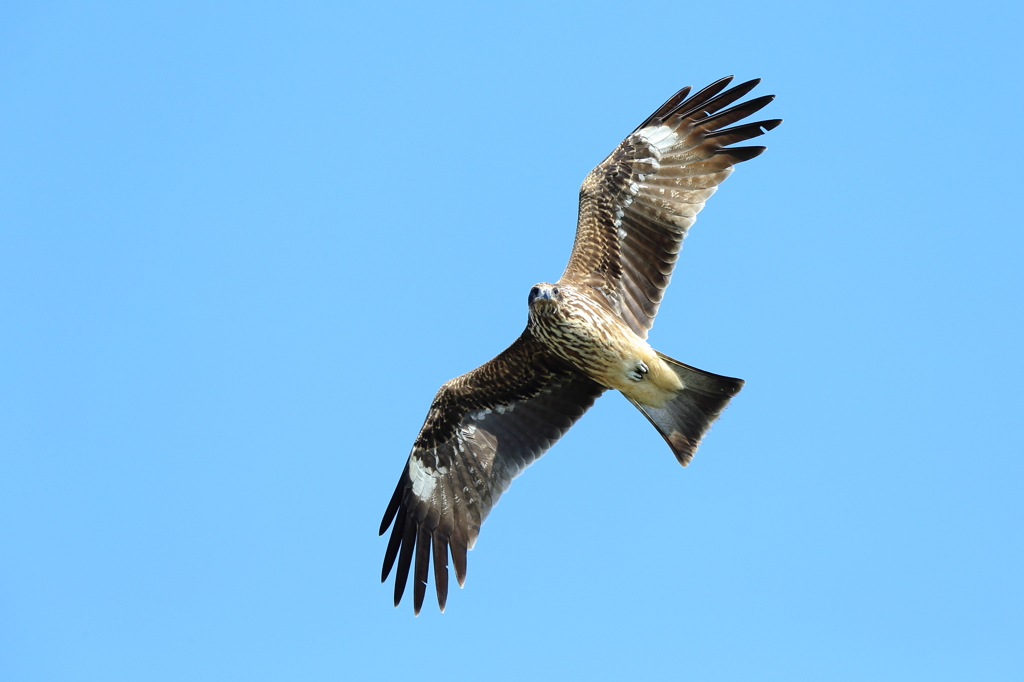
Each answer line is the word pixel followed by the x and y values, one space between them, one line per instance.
pixel 554 291
pixel 533 293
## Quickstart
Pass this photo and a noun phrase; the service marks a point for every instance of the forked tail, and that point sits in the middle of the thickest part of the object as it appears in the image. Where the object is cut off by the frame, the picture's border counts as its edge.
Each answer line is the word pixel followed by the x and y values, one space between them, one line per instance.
pixel 683 420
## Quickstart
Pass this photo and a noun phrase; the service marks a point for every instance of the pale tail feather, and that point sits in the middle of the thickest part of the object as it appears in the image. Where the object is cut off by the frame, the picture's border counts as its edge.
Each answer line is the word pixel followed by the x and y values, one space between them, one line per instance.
pixel 684 420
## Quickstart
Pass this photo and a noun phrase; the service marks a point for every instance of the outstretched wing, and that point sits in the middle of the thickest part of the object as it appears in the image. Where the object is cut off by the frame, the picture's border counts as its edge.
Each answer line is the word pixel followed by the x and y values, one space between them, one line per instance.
pixel 482 430
pixel 637 205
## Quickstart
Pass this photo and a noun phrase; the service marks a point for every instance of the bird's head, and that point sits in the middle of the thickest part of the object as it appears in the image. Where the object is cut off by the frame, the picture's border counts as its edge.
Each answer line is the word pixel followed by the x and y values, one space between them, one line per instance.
pixel 544 298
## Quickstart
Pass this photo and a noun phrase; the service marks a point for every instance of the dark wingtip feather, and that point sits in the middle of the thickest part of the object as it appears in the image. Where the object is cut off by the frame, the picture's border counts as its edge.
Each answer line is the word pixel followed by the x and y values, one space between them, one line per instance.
pixel 458 550
pixel 670 104
pixel 715 88
pixel 441 570
pixel 740 154
pixel 709 105
pixel 393 505
pixel 394 543
pixel 746 86
pixel 704 95
pixel 737 113
pixel 404 561
pixel 744 132
pixel 419 585
pixel 736 92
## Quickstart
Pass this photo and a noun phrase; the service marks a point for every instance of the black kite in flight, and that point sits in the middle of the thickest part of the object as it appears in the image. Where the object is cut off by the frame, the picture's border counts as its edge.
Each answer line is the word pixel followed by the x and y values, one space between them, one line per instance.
pixel 585 334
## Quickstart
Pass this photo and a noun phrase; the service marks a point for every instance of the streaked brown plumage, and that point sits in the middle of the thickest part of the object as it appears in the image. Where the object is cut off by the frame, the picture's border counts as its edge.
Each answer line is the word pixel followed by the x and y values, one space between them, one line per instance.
pixel 586 334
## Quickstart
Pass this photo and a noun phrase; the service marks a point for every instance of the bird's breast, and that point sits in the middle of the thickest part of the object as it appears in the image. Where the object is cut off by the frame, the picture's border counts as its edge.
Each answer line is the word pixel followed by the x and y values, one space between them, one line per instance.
pixel 599 345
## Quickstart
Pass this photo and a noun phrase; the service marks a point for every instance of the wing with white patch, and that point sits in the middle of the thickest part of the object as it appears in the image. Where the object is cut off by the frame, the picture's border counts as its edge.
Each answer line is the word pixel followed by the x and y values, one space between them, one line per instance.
pixel 483 429
pixel 636 205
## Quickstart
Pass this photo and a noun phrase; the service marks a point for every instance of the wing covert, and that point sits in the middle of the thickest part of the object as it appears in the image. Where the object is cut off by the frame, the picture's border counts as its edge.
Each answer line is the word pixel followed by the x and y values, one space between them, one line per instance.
pixel 637 205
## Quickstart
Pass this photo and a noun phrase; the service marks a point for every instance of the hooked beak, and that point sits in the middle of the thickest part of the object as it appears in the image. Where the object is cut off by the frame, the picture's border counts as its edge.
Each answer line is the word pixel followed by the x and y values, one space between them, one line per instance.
pixel 540 294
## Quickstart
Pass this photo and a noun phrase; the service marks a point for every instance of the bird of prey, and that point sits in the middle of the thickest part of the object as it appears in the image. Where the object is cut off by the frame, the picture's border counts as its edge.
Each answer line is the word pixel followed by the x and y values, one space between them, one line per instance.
pixel 586 334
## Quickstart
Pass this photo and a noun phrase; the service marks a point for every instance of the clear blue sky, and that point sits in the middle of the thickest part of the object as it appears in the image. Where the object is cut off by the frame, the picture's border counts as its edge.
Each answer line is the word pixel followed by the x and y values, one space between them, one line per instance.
pixel 241 245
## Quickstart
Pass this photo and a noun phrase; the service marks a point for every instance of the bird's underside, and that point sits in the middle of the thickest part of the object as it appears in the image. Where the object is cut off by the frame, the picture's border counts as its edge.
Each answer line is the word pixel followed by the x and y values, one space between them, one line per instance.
pixel 586 334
